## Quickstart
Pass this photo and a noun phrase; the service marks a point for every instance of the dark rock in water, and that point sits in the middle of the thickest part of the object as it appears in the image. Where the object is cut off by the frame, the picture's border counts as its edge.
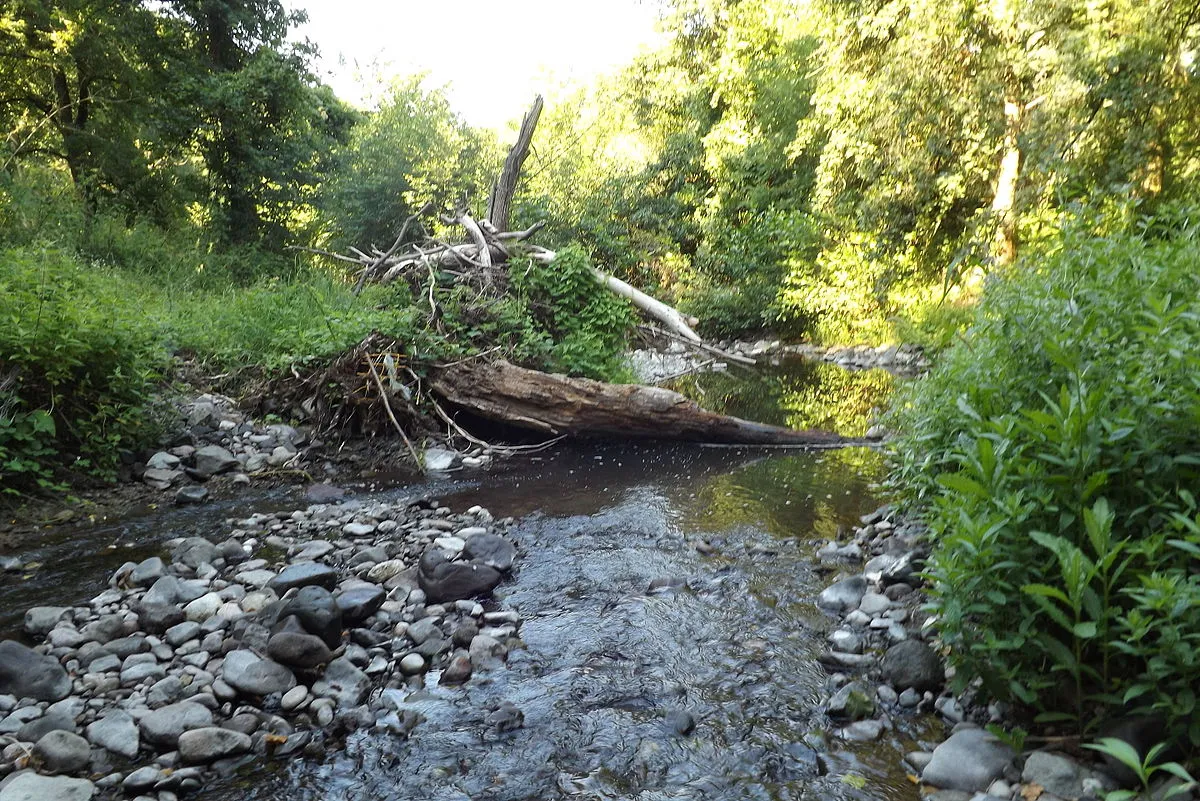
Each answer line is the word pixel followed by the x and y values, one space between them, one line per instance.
pixel 24 673
pixel 211 743
pixel 190 494
pixel 324 493
pixel 681 722
pixel 157 618
pixel 318 613
pixel 453 581
pixel 491 550
pixel 851 702
pixel 247 671
pixel 298 650
pixel 63 752
pixel 969 762
pixel 304 574
pixel 162 727
pixel 457 672
pixel 359 603
pixel 913 664
pixel 506 718
pixel 213 459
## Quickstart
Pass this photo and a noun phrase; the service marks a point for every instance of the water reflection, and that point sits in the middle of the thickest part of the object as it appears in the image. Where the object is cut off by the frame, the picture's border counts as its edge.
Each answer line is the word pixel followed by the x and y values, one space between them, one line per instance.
pixel 796 392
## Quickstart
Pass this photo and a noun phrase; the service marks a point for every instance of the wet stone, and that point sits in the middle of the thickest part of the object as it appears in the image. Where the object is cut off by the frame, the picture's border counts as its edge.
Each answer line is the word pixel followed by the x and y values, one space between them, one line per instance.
pixel 843 596
pixel 969 761
pixel 162 727
pixel 304 574
pixel 246 671
pixel 29 786
pixel 25 673
pixel 63 752
pixel 913 664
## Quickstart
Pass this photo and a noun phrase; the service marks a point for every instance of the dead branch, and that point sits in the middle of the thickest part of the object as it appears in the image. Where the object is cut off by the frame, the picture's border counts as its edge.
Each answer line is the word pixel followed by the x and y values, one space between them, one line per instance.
pixel 383 396
pixel 500 202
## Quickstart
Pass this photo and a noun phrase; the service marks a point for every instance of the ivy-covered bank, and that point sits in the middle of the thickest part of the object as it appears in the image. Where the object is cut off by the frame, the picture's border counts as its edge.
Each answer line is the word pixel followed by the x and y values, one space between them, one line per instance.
pixel 1054 452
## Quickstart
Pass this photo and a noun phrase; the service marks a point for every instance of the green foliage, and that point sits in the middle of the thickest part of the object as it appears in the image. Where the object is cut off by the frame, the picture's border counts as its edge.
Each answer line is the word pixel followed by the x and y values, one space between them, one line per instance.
pixel 587 324
pixel 1144 769
pixel 1056 446
pixel 78 360
pixel 414 149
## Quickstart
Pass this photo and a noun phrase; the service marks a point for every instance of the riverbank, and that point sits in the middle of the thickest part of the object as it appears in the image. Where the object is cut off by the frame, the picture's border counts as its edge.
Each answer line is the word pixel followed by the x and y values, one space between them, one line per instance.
pixel 265 643
pixel 885 662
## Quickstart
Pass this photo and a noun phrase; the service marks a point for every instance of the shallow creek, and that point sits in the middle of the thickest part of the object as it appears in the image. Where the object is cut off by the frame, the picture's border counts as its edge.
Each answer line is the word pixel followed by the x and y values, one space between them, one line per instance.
pixel 611 670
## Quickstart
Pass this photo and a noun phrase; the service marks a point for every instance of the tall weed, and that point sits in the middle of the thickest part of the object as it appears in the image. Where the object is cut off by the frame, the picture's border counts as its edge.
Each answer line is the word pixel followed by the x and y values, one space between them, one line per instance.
pixel 1056 447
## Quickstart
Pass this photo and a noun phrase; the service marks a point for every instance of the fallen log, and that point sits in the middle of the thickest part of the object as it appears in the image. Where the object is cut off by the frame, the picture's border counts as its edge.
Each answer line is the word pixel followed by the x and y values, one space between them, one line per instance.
pixel 579 407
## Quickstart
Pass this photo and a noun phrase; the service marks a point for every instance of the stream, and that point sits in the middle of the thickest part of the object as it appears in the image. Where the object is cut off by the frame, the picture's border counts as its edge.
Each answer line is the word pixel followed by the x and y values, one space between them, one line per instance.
pixel 613 674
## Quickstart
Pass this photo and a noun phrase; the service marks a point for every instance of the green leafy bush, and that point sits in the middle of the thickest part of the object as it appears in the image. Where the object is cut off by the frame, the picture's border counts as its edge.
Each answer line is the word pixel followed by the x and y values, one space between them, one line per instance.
pixel 586 323
pixel 78 359
pixel 1058 445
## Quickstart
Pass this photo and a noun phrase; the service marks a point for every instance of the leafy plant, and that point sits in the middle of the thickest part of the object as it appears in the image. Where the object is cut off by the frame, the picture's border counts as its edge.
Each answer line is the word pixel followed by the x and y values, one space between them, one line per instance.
pixel 1144 768
pixel 1054 447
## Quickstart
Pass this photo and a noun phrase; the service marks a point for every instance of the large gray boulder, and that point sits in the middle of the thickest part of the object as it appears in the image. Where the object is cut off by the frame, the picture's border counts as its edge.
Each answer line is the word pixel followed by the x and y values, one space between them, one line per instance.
pixel 453 581
pixel 63 752
pixel 304 574
pixel 211 743
pixel 247 671
pixel 162 727
pixel 914 664
pixel 116 732
pixel 213 459
pixel 29 786
pixel 24 673
pixel 969 762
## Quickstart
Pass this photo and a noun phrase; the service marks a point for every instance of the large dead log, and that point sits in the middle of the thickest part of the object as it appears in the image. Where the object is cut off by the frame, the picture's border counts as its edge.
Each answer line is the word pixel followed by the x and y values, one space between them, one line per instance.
pixel 556 404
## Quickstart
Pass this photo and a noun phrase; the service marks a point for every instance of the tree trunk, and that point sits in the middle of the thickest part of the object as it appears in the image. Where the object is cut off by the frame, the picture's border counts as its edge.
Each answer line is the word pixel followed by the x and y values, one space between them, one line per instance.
pixel 1005 199
pixel 500 203
pixel 556 404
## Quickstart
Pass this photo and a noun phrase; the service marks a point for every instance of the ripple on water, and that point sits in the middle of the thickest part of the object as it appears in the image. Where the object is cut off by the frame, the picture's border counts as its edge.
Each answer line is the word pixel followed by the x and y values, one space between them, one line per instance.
pixel 606 663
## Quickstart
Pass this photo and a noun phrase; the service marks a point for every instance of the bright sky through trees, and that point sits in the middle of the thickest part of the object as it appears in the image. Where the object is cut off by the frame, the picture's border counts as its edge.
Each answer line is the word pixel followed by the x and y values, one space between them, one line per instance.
pixel 495 55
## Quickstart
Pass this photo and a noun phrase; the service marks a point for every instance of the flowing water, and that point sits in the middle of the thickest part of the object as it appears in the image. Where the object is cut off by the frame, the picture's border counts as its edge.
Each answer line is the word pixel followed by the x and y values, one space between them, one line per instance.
pixel 610 668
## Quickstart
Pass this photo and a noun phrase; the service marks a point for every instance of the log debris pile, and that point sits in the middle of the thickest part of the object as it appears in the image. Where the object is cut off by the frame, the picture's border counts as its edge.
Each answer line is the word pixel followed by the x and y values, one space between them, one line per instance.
pixel 553 405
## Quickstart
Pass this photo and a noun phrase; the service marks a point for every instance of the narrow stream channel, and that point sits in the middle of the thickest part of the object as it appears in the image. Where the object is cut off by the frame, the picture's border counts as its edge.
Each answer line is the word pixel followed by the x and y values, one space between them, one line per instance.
pixel 610 669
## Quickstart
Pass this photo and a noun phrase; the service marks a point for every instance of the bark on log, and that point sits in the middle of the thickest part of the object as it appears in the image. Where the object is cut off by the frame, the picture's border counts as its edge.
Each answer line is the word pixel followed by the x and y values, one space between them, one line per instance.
pixel 500 202
pixel 555 404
